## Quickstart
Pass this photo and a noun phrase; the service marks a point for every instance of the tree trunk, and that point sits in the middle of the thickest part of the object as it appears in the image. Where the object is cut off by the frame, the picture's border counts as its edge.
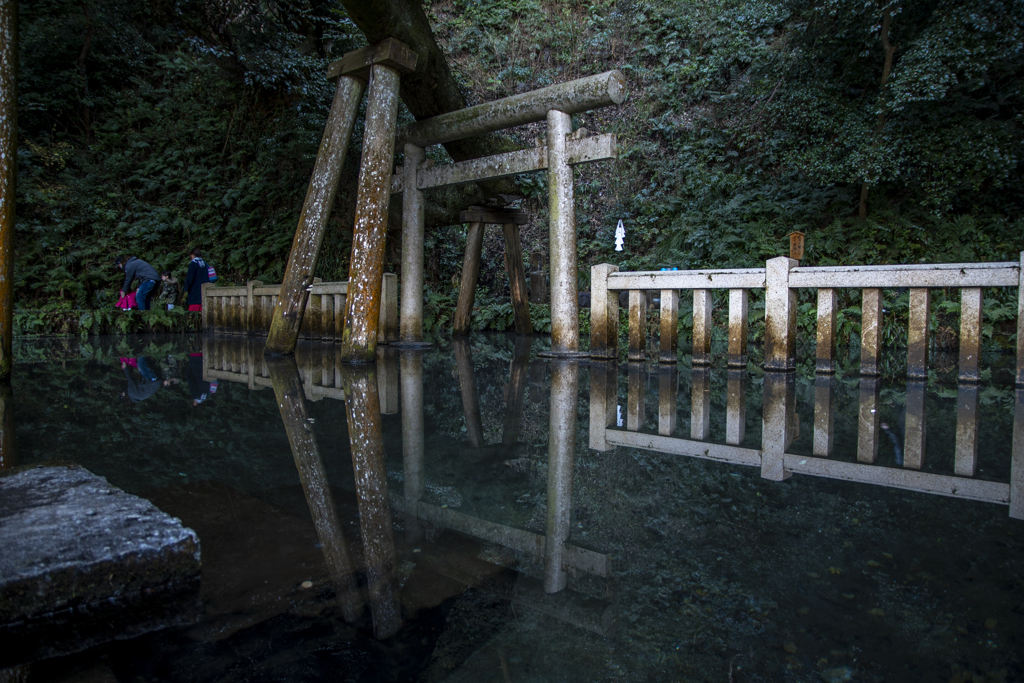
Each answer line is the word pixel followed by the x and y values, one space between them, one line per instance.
pixel 883 110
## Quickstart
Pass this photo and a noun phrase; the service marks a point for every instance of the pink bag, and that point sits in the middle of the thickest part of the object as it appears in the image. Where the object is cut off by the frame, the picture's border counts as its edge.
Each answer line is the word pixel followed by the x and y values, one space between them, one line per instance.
pixel 126 302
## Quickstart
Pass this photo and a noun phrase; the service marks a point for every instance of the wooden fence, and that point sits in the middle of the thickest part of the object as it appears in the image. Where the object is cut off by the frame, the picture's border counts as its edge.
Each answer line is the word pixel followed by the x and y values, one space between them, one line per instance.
pixel 780 278
pixel 248 309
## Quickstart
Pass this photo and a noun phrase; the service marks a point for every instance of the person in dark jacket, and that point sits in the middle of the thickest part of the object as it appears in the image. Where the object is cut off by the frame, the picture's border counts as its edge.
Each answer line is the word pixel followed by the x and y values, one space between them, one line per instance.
pixel 197 386
pixel 197 276
pixel 148 277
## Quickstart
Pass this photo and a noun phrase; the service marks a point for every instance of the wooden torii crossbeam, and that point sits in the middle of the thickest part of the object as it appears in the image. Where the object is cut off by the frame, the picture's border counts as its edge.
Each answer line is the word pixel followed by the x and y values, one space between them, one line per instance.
pixel 381 66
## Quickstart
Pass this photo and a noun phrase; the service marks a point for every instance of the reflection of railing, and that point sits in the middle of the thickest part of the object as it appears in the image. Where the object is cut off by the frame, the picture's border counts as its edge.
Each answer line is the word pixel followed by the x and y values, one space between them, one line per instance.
pixel 249 309
pixel 780 279
pixel 780 427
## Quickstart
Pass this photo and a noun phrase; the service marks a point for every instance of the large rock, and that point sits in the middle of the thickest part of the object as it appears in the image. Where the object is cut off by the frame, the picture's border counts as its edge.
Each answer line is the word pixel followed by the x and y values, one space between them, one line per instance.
pixel 72 540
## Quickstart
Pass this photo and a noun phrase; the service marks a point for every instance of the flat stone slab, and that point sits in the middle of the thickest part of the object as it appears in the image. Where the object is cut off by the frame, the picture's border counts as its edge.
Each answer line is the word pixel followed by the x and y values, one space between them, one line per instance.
pixel 70 539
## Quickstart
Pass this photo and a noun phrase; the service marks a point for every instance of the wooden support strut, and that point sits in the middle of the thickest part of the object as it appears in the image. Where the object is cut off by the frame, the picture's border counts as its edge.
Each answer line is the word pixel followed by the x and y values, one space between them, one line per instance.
pixel 298 276
pixel 359 336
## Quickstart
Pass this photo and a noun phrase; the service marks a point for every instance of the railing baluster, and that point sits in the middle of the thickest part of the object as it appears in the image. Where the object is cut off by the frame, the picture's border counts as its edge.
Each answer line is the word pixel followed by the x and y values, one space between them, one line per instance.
pixel 739 303
pixel 701 327
pixel 826 347
pixel 1017 457
pixel 917 333
pixel 668 390
pixel 604 313
pixel 636 413
pixel 970 333
pixel 868 420
pixel 870 331
pixel 669 321
pixel 604 400
pixel 637 325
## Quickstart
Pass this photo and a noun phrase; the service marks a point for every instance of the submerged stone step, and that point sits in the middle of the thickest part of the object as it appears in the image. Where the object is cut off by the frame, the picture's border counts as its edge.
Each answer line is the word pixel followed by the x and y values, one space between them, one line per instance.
pixel 71 540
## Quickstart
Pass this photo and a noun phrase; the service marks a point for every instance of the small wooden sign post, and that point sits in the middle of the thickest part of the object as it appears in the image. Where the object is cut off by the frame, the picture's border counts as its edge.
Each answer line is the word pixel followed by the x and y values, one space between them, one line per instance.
pixel 796 245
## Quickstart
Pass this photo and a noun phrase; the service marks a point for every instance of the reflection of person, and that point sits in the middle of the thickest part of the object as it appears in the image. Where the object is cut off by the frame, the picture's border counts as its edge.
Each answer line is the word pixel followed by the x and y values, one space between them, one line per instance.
pixel 137 268
pixel 197 275
pixel 147 386
pixel 200 389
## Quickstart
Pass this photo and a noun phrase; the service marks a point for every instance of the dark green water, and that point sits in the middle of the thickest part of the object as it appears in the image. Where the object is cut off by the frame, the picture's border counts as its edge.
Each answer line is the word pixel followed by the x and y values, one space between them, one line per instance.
pixel 464 530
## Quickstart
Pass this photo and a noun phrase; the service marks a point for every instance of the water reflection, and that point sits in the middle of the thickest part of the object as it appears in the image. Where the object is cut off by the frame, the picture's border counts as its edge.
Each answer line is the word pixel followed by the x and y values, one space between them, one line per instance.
pixel 8 444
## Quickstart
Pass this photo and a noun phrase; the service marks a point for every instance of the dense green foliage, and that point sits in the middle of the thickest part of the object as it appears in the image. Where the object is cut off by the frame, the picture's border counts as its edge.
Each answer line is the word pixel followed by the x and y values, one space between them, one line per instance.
pixel 746 120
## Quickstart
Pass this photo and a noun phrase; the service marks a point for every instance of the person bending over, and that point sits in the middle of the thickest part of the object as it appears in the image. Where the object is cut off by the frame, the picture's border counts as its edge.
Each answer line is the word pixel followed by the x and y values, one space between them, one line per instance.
pixel 137 268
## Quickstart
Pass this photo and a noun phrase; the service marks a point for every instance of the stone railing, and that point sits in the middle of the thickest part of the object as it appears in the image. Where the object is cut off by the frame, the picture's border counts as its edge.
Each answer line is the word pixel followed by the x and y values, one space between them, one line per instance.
pixel 248 309
pixel 780 278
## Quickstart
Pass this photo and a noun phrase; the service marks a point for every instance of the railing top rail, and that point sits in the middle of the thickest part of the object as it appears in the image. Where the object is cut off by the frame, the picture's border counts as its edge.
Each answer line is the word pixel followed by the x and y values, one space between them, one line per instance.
pixel 734 278
pixel 1005 274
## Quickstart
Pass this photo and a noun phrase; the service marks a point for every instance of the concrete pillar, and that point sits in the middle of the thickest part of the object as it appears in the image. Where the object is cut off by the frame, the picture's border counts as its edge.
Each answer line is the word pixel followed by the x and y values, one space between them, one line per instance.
pixel 702 303
pixel 739 304
pixel 298 276
pixel 561 450
pixel 668 339
pixel 366 269
pixel 412 248
pixel 825 362
pixel 565 323
pixel 637 325
pixel 412 437
pixel 970 334
pixel 871 332
pixel 470 273
pixel 917 334
pixel 604 313
pixel 780 310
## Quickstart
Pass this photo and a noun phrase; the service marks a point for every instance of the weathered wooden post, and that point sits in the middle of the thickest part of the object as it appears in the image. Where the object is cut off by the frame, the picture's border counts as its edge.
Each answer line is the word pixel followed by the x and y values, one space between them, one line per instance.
pixel 359 336
pixel 298 275
pixel 604 313
pixel 561 451
pixel 412 248
pixel 780 307
pixel 470 273
pixel 292 403
pixel 362 407
pixel 8 177
pixel 565 321
pixel 517 277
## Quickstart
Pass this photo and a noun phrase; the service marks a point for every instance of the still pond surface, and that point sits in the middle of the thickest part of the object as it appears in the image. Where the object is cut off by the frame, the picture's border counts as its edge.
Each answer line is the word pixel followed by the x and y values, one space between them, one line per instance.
pixel 473 512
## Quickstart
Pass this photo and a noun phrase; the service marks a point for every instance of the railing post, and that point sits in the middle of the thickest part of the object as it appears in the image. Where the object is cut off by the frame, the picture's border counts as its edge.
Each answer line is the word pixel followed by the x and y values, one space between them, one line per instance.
pixel 668 339
pixel 1020 329
pixel 636 396
pixel 870 331
pixel 826 346
pixel 736 407
pixel 668 391
pixel 776 429
pixel 780 307
pixel 965 459
pixel 915 426
pixel 700 403
pixel 637 325
pixel 868 420
pixel 917 333
pixel 604 313
pixel 1017 457
pixel 604 399
pixel 205 300
pixel 739 303
pixel 824 415
pixel 970 333
pixel 701 353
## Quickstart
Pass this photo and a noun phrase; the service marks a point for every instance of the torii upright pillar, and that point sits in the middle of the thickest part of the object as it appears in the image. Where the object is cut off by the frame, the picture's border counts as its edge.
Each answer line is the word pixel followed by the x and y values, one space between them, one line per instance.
pixel 379 64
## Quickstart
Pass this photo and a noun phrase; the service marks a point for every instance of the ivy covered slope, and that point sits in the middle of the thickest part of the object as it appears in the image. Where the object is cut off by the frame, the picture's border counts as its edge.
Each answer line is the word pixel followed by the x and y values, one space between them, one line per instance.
pixel 887 132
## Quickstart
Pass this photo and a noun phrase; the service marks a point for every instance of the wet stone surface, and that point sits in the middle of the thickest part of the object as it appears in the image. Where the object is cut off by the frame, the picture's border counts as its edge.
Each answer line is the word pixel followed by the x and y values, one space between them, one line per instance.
pixel 71 539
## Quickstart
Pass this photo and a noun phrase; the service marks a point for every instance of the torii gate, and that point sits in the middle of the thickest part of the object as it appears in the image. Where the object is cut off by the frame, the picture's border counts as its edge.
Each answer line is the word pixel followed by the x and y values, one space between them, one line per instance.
pixel 381 65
